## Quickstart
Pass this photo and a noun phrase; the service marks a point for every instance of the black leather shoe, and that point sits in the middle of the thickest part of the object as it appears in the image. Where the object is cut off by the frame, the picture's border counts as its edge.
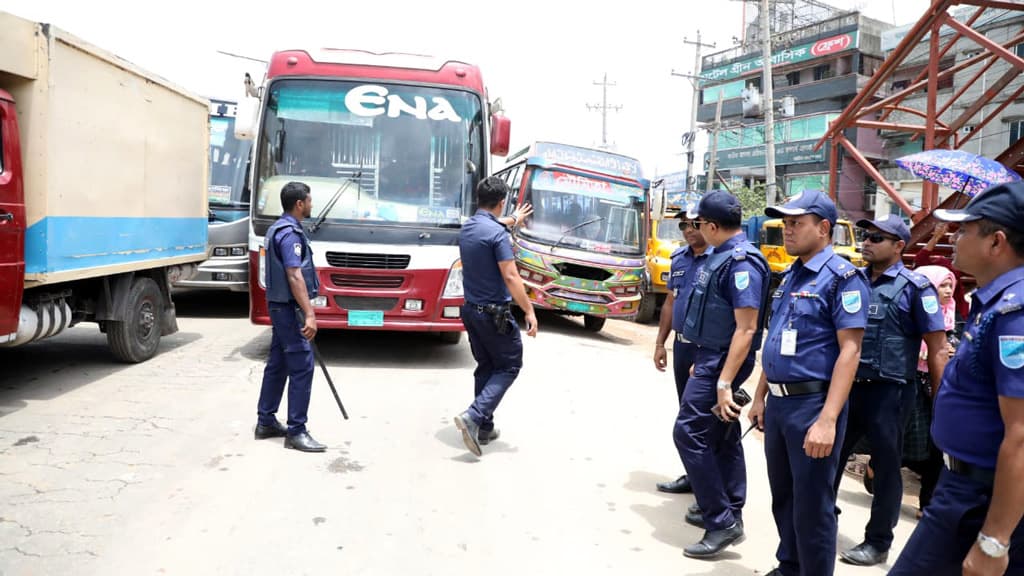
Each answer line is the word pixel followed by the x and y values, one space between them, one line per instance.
pixel 680 485
pixel 304 443
pixel 275 430
pixel 470 432
pixel 694 508
pixel 865 554
pixel 715 541
pixel 485 437
pixel 695 518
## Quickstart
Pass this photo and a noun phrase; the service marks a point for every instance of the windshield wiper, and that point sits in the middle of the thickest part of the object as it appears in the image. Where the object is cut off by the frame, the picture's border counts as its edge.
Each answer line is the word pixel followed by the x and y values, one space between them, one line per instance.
pixel 576 227
pixel 334 200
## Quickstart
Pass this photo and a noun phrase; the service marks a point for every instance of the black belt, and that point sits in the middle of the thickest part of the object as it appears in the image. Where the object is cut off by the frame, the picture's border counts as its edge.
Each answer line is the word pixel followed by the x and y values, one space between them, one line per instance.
pixel 489 308
pixel 878 381
pixel 986 476
pixel 797 388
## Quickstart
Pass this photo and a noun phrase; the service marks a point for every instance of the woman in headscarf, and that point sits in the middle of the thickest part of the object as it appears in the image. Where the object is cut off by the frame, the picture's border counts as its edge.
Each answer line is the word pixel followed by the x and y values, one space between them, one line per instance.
pixel 919 452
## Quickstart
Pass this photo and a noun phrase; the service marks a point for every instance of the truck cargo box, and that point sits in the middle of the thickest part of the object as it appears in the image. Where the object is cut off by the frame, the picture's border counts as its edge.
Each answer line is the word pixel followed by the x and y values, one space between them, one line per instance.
pixel 115 159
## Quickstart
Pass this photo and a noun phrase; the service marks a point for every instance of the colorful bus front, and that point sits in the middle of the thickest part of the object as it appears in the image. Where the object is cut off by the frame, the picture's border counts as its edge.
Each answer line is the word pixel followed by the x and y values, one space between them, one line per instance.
pixel 391 152
pixel 583 249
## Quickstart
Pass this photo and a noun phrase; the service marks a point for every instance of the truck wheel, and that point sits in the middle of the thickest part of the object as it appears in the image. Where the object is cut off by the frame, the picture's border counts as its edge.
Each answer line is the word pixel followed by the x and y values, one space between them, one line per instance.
pixel 136 338
pixel 451 337
pixel 593 323
pixel 648 303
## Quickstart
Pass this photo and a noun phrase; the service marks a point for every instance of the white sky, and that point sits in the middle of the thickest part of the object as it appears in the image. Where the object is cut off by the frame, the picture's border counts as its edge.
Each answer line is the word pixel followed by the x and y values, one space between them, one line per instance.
pixel 541 58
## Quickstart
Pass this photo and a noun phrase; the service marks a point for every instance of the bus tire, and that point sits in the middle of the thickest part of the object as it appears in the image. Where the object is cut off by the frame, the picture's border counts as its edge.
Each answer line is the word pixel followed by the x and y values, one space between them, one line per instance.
pixel 136 338
pixel 593 323
pixel 648 304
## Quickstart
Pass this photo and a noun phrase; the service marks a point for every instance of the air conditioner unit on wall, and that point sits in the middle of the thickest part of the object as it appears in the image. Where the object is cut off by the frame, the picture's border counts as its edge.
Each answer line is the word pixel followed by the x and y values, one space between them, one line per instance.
pixel 869 201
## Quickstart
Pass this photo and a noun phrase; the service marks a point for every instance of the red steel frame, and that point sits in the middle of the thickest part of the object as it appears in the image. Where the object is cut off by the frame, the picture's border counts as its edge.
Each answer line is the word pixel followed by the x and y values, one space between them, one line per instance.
pixel 869 111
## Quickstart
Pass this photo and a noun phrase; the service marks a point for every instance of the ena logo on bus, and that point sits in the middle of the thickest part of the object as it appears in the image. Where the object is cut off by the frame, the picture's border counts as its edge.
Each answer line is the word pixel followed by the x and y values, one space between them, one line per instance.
pixel 370 100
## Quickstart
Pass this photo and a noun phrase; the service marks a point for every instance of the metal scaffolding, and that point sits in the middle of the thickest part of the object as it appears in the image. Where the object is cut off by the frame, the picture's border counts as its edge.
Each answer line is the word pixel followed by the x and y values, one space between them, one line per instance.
pixel 875 106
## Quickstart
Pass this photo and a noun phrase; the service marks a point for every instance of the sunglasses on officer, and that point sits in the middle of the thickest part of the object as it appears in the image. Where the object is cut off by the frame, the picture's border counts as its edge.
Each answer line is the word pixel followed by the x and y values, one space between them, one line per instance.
pixel 878 237
pixel 684 224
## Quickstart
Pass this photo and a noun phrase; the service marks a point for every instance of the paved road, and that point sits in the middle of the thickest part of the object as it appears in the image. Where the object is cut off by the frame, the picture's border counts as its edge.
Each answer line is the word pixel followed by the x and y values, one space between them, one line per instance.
pixel 152 469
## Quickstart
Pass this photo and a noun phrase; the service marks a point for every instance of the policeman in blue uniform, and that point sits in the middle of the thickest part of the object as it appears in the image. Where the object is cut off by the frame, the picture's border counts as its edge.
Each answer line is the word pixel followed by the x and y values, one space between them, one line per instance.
pixel 490 281
pixel 725 319
pixel 682 275
pixel 810 355
pixel 904 308
pixel 291 286
pixel 973 524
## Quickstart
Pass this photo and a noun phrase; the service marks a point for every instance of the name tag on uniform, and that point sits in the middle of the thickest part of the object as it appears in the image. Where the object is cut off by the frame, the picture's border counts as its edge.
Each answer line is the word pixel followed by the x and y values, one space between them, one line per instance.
pixel 788 343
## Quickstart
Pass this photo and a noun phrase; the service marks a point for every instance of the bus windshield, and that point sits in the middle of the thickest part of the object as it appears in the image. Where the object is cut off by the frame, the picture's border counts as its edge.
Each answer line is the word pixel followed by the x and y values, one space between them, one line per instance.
pixel 229 158
pixel 585 213
pixel 401 155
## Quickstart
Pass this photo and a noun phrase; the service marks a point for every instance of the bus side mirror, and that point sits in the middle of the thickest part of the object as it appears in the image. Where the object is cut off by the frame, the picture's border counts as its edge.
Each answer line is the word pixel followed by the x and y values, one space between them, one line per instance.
pixel 658 203
pixel 501 131
pixel 248 111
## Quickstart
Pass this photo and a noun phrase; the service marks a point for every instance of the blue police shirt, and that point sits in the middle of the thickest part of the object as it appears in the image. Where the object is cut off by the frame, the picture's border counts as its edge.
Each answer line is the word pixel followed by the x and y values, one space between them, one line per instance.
pixel 742 286
pixel 920 309
pixel 682 277
pixel 483 242
pixel 989 363
pixel 289 245
pixel 817 299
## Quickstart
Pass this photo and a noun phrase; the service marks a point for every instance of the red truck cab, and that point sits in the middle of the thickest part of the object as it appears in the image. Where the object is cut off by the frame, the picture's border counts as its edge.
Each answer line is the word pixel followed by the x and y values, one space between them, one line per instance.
pixel 12 220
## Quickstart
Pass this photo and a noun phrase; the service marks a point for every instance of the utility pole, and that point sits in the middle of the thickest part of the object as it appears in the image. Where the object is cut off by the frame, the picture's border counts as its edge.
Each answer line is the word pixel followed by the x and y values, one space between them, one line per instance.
pixel 768 105
pixel 604 107
pixel 713 161
pixel 695 79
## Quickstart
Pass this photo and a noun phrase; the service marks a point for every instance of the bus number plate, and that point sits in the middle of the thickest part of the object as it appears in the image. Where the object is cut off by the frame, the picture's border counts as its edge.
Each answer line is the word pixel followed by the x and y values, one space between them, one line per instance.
pixel 577 307
pixel 366 318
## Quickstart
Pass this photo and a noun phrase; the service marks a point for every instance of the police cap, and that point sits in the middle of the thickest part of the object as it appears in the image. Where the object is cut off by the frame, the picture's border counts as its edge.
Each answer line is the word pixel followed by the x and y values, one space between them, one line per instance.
pixel 806 202
pixel 891 224
pixel 1002 204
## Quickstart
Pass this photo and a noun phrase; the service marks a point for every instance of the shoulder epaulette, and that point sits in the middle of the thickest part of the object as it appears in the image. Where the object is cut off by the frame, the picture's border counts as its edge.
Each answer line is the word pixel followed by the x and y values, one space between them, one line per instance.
pixel 841 267
pixel 919 280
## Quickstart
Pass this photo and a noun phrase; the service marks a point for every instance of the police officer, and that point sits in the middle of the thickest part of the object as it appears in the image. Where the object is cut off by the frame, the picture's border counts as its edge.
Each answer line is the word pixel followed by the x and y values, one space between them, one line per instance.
pixel 904 308
pixel 973 524
pixel 725 319
pixel 490 281
pixel 682 275
pixel 819 313
pixel 291 285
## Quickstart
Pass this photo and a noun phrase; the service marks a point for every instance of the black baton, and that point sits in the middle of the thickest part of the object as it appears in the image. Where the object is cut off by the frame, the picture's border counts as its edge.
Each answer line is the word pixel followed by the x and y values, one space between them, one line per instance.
pixel 320 360
pixel 316 354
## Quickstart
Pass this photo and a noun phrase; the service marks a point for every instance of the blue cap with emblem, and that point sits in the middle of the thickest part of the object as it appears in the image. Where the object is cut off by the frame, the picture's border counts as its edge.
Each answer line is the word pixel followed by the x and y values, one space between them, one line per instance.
pixel 891 224
pixel 722 207
pixel 806 202
pixel 1002 204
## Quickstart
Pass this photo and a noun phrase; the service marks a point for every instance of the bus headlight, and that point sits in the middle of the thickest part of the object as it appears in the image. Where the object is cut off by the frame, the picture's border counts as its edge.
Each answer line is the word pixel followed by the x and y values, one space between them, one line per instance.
pixel 262 276
pixel 453 287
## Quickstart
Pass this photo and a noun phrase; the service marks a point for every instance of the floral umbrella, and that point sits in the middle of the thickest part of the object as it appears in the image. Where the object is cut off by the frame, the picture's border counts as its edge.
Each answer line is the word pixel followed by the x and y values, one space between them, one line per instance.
pixel 958 170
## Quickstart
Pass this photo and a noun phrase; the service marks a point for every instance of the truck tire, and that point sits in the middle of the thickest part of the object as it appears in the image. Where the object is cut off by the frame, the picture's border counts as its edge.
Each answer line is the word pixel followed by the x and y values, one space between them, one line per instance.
pixel 648 304
pixel 135 339
pixel 451 338
pixel 593 323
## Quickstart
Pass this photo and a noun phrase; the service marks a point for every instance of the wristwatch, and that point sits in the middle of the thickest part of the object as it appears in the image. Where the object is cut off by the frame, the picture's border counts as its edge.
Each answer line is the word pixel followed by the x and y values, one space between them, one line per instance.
pixel 724 385
pixel 991 547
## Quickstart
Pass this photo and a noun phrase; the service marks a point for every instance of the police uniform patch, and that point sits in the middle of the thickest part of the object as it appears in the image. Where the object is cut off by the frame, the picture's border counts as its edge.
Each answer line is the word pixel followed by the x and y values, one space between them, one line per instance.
pixel 297 248
pixel 930 303
pixel 1011 351
pixel 851 301
pixel 741 280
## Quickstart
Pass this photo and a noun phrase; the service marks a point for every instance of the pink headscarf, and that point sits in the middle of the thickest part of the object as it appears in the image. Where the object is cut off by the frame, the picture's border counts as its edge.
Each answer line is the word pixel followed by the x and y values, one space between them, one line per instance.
pixel 938 275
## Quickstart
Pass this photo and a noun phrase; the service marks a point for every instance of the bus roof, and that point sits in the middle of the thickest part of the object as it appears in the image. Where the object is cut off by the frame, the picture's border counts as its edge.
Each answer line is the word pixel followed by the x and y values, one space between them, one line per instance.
pixel 352 63
pixel 600 161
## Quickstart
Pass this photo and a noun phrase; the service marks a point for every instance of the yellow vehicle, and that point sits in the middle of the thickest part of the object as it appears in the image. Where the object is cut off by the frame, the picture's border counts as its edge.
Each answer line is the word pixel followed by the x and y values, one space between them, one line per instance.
pixel 666 238
pixel 844 242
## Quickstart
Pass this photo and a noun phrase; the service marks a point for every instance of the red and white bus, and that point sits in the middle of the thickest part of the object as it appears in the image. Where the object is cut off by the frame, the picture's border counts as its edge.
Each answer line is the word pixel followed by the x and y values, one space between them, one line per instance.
pixel 392 147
